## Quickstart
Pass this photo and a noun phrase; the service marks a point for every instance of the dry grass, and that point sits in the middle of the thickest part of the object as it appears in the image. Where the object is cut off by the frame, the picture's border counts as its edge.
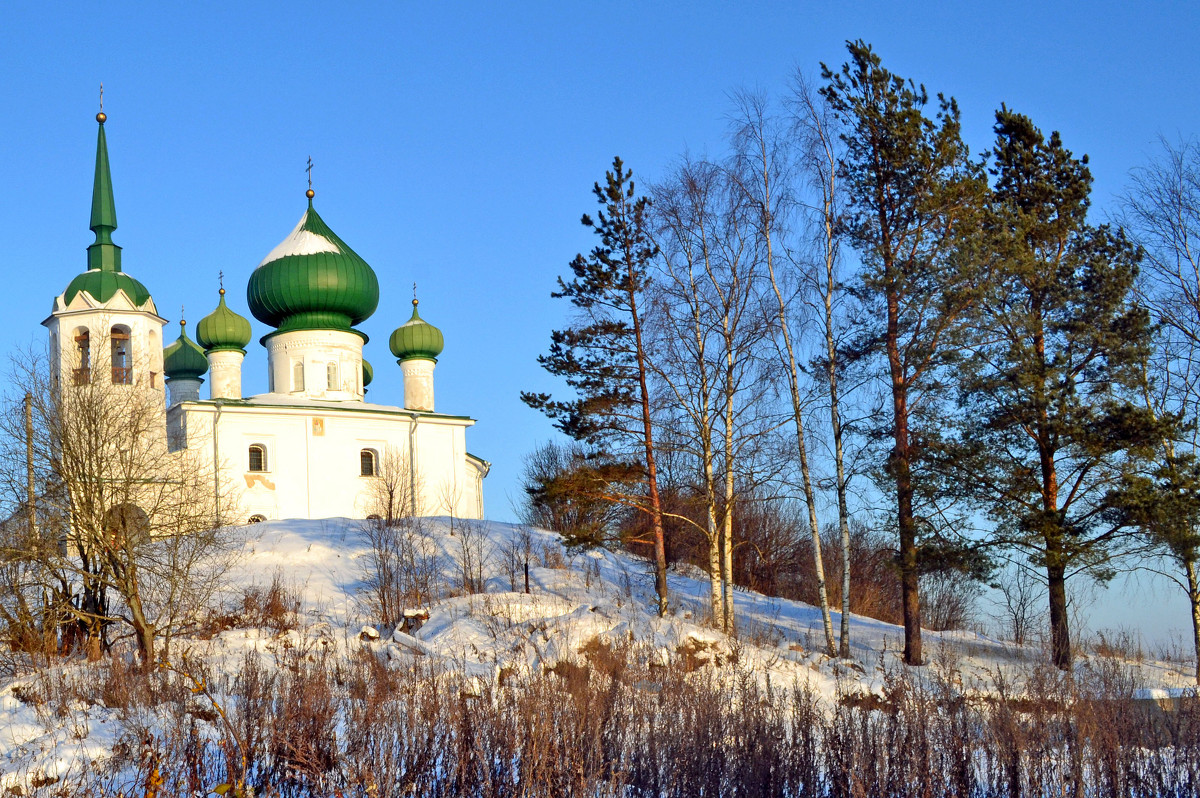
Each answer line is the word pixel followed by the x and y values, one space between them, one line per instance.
pixel 313 724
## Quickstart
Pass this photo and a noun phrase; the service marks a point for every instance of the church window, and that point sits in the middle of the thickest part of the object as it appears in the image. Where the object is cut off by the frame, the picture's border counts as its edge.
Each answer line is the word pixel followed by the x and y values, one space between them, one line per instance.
pixel 298 375
pixel 258 457
pixel 331 376
pixel 83 346
pixel 122 368
pixel 367 463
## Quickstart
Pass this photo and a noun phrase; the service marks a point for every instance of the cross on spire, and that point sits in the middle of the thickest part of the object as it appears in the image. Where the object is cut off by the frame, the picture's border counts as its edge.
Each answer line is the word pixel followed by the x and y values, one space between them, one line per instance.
pixel 309 170
pixel 101 96
pixel 221 279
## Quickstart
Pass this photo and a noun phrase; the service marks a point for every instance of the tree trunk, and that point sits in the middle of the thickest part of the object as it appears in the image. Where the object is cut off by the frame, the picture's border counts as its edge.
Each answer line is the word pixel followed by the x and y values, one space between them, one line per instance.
pixel 715 568
pixel 30 492
pixel 1194 598
pixel 906 524
pixel 143 630
pixel 727 521
pixel 793 376
pixel 660 548
pixel 838 450
pixel 1060 630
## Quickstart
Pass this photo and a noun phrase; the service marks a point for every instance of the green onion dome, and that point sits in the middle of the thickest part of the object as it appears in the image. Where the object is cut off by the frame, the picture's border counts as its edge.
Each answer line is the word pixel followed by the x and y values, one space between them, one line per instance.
pixel 103 285
pixel 184 359
pixel 312 281
pixel 416 338
pixel 368 373
pixel 223 330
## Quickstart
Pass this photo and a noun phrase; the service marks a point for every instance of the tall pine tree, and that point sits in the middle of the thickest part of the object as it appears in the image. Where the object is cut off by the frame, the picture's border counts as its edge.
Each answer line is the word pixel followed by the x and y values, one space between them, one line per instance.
pixel 914 196
pixel 1056 355
pixel 602 356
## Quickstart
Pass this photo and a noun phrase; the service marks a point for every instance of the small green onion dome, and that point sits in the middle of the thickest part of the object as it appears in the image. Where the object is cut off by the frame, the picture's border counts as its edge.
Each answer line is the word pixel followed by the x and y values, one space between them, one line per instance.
pixel 312 281
pixel 416 339
pixel 223 330
pixel 368 373
pixel 103 285
pixel 184 359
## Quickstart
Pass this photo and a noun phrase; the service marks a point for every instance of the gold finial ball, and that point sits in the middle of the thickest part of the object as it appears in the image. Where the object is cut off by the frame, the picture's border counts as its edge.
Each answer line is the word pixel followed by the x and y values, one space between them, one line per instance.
pixel 101 117
pixel 415 302
pixel 183 322
pixel 222 292
pixel 310 193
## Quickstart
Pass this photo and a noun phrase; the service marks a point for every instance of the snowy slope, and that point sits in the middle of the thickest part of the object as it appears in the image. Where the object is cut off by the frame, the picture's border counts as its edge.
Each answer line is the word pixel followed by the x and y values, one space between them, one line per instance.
pixel 577 599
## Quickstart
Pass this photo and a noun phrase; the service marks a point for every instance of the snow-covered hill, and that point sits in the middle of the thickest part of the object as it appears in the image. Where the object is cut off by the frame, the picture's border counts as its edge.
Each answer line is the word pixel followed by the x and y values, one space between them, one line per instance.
pixel 577 600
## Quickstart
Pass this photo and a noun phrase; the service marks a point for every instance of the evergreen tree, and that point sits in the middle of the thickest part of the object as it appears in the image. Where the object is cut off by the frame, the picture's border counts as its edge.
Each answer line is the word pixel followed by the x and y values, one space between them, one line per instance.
pixel 1048 426
pixel 1165 505
pixel 602 356
pixel 914 196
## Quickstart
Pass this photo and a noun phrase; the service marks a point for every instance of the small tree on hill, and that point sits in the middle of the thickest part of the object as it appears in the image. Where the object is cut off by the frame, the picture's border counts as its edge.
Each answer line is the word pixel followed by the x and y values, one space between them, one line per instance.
pixel 602 356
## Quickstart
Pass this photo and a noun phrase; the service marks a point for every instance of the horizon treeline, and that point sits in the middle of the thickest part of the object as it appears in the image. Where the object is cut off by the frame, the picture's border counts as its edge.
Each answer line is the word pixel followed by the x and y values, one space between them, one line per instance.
pixel 852 359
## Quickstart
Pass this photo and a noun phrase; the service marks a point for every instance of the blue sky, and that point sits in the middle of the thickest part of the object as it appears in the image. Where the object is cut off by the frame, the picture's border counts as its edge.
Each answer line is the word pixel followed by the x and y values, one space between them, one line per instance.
pixel 455 144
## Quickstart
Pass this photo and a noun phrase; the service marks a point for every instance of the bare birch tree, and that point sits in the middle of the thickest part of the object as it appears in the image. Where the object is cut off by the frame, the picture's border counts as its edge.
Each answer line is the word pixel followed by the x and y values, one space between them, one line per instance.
pixel 1162 211
pixel 818 138
pixel 762 160
pixel 138 545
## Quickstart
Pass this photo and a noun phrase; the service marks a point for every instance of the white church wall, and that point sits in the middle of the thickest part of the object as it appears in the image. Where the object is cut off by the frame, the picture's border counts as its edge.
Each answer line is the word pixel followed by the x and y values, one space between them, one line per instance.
pixel 312 466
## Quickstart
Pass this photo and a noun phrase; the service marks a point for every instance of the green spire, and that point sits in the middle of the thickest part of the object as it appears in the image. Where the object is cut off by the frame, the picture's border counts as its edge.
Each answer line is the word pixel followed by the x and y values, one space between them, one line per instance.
pixel 103 254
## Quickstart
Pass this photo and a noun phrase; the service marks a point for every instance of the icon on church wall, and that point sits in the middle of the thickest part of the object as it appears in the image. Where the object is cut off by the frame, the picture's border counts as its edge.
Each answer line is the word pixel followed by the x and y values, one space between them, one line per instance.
pixel 318 427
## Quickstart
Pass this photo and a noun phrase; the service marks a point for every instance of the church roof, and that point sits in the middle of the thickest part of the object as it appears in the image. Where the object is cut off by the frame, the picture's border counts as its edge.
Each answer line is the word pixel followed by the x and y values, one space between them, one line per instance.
pixel 312 281
pixel 223 329
pixel 184 359
pixel 416 339
pixel 104 277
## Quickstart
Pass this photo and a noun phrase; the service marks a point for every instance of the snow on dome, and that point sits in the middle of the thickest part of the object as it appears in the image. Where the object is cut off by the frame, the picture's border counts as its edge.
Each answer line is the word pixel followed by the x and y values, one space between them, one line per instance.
pixel 301 242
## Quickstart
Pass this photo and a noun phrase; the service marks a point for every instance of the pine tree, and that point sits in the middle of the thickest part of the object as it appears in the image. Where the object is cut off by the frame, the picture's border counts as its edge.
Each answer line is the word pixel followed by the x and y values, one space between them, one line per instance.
pixel 1047 422
pixel 1165 505
pixel 914 197
pixel 602 356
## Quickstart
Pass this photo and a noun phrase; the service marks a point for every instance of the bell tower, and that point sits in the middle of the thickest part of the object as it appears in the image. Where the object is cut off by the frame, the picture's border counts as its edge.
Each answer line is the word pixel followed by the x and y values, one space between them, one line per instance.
pixel 104 328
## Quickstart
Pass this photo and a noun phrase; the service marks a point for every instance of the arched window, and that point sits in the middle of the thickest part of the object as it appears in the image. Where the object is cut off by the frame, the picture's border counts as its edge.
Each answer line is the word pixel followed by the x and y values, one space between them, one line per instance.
pixel 258 457
pixel 83 349
pixel 122 363
pixel 298 375
pixel 368 463
pixel 331 376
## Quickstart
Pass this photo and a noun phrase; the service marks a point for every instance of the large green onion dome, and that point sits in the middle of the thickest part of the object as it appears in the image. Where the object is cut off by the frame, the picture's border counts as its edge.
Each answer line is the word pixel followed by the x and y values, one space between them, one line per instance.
pixel 184 359
pixel 368 373
pixel 312 281
pixel 223 330
pixel 416 338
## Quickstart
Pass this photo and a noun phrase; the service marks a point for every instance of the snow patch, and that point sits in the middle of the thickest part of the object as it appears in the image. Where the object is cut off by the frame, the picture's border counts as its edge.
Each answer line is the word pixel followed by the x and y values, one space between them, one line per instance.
pixel 301 242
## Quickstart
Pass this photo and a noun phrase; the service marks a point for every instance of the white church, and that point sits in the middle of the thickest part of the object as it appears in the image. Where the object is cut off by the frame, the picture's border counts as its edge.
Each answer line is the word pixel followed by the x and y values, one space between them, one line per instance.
pixel 311 447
